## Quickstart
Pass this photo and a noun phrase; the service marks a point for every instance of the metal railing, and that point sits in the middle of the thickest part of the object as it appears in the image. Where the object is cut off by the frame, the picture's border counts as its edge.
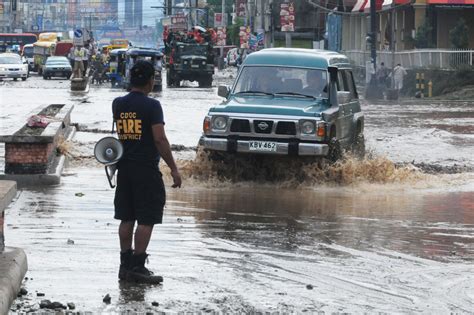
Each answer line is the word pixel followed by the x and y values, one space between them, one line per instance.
pixel 420 58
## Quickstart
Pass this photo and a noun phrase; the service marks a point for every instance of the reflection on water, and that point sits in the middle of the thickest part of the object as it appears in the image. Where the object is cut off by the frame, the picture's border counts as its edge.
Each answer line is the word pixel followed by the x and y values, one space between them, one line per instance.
pixel 429 225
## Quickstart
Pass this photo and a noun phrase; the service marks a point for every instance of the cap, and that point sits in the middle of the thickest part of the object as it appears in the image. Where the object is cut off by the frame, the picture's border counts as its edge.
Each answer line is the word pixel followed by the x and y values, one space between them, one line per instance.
pixel 141 72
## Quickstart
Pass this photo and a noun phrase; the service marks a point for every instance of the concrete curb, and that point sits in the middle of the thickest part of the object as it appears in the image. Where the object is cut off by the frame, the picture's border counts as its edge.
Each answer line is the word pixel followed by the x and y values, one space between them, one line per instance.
pixel 7 193
pixel 13 267
pixel 53 177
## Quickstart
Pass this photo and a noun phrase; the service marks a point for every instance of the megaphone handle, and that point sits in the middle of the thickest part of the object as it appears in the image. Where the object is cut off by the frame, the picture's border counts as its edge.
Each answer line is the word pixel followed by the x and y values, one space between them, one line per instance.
pixel 109 178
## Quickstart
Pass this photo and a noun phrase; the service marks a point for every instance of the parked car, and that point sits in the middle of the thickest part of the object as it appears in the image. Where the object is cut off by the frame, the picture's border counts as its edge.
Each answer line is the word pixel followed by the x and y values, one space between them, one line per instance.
pixel 12 66
pixel 27 53
pixel 296 102
pixel 57 66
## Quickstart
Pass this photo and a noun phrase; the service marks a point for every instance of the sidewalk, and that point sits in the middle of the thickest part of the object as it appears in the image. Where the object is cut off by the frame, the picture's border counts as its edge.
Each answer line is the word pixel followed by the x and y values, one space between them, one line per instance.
pixel 13 263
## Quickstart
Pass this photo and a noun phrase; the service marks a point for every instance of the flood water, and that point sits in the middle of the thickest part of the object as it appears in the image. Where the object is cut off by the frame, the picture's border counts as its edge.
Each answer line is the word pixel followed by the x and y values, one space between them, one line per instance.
pixel 357 237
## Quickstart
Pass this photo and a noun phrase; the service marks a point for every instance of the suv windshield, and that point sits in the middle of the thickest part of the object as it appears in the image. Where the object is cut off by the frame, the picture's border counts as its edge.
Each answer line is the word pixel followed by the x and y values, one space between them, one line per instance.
pixel 282 80
pixel 192 49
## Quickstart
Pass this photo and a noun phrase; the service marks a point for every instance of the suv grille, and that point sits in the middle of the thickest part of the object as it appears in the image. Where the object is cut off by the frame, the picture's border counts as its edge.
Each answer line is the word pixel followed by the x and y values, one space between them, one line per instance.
pixel 240 125
pixel 263 126
pixel 286 128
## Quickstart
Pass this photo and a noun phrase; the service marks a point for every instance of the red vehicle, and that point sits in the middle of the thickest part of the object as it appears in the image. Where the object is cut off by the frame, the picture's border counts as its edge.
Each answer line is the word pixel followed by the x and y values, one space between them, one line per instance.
pixel 16 41
pixel 63 48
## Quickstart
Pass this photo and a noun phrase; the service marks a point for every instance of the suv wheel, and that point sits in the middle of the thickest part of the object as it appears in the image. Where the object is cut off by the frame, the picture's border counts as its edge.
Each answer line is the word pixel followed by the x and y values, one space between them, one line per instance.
pixel 335 150
pixel 358 148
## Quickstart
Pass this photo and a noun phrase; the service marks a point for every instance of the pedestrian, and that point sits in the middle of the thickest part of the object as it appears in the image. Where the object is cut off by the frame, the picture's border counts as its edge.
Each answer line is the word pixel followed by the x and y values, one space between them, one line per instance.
pixel 397 75
pixel 381 75
pixel 78 65
pixel 70 56
pixel 140 194
pixel 85 59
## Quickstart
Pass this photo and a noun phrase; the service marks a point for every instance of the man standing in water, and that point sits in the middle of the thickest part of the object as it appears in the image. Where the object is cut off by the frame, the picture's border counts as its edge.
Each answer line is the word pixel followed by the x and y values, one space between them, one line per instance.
pixel 140 195
pixel 397 75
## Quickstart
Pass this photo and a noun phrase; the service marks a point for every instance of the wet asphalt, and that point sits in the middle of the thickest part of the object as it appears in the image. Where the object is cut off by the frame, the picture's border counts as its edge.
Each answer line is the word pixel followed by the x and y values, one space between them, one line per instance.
pixel 399 246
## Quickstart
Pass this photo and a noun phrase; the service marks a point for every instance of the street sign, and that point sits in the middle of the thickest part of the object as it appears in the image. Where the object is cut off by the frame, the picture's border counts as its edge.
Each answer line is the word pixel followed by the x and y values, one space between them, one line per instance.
pixel 78 37
pixel 78 33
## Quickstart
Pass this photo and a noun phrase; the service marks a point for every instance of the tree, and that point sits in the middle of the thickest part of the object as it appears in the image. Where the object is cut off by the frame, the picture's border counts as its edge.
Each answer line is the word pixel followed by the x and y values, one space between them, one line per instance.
pixel 459 35
pixel 423 36
pixel 233 32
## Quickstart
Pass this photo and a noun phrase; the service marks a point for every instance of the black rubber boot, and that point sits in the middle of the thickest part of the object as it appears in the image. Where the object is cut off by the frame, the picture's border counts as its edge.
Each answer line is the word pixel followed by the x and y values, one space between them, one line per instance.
pixel 139 273
pixel 125 263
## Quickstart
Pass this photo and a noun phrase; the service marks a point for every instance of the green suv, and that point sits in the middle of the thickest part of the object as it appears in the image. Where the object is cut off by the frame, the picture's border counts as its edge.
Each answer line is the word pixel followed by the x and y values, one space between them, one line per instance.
pixel 296 102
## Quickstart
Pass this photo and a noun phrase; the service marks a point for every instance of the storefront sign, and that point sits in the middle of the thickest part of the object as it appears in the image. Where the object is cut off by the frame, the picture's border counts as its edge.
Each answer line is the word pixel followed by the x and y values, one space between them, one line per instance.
pixel 287 17
pixel 219 20
pixel 240 8
pixel 179 21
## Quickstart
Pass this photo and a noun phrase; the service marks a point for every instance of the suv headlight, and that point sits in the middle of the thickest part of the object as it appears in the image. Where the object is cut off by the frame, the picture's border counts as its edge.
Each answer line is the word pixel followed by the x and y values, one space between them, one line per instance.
pixel 219 123
pixel 308 127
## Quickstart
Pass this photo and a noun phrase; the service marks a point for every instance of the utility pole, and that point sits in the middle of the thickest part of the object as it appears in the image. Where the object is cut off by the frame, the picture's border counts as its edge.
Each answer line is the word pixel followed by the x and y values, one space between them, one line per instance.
pixel 220 62
pixel 371 91
pixel 373 32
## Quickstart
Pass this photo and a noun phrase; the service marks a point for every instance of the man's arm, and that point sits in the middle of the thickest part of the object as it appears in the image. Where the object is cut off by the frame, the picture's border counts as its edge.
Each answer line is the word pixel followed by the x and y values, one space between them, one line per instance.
pixel 163 146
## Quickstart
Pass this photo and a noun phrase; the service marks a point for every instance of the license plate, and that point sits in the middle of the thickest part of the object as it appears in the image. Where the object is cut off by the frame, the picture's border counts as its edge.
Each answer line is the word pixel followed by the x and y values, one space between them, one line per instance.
pixel 265 146
pixel 194 66
pixel 58 73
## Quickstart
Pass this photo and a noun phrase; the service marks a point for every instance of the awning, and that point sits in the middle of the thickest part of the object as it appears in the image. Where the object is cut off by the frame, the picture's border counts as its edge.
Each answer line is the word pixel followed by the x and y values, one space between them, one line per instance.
pixel 450 2
pixel 387 4
pixel 359 6
pixel 378 5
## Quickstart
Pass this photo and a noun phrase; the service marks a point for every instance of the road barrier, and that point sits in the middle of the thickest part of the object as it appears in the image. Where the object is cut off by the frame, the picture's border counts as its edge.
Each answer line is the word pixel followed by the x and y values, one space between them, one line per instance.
pixel 420 58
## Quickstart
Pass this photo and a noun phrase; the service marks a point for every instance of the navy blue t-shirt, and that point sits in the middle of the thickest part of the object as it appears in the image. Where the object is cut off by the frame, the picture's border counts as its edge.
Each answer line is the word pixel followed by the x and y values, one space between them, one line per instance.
pixel 134 114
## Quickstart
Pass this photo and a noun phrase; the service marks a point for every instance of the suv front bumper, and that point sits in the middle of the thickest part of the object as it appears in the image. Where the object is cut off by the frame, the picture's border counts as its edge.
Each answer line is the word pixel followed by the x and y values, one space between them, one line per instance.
pixel 282 148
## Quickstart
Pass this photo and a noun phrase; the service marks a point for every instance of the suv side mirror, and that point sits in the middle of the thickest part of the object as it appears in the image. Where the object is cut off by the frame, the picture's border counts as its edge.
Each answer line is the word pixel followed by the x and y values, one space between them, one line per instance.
pixel 223 91
pixel 343 97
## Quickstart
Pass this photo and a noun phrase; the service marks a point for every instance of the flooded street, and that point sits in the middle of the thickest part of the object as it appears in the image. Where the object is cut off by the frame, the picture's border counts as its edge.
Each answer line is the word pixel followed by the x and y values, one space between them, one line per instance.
pixel 357 237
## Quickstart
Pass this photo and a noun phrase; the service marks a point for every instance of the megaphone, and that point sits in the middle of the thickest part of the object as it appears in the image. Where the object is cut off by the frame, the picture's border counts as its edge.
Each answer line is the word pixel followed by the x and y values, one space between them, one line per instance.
pixel 109 151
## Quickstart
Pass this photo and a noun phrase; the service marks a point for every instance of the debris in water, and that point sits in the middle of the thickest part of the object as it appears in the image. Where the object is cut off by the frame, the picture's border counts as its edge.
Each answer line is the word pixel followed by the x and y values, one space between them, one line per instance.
pixel 107 299
pixel 155 303
pixel 45 304
pixel 309 287
pixel 40 294
pixel 71 306
pixel 70 242
pixel 79 194
pixel 22 292
pixel 57 305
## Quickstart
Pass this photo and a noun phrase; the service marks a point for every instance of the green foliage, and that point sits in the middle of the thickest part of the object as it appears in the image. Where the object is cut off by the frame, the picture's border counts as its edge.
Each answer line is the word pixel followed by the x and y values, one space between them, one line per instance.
pixel 233 32
pixel 459 35
pixel 423 36
pixel 215 6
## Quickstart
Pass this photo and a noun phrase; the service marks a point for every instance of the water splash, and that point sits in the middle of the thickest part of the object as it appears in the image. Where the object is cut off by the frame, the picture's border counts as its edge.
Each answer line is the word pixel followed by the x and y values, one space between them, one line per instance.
pixel 290 171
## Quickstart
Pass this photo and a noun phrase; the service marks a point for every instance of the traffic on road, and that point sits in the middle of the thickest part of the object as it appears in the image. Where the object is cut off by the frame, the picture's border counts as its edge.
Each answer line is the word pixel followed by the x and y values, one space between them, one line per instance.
pixel 297 194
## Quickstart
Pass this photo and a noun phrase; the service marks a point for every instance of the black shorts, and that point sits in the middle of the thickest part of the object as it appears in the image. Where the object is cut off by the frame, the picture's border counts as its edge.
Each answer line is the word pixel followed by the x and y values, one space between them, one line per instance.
pixel 140 194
